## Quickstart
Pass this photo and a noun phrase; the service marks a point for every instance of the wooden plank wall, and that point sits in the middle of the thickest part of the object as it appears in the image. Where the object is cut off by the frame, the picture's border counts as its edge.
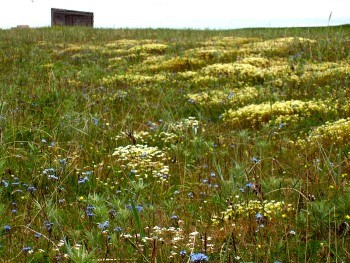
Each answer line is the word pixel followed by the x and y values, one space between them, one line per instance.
pixel 62 17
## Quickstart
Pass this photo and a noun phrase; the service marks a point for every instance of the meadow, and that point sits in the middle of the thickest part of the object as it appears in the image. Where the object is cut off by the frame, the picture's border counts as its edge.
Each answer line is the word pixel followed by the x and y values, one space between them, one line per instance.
pixel 160 145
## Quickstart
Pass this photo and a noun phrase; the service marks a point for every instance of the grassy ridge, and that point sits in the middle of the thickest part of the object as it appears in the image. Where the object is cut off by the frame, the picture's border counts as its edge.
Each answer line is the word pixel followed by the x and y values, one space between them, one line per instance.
pixel 175 145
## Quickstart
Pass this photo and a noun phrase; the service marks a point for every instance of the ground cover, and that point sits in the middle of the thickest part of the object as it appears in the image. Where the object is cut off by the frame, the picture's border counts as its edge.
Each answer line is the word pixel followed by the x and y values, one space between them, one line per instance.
pixel 175 145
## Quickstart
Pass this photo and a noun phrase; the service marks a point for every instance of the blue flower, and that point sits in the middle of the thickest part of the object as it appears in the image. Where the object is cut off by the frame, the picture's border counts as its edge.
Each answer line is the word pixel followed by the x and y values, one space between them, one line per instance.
pixel 48 225
pixel 183 253
pixel 103 225
pixel 49 171
pixel 255 160
pixel 6 184
pixel 190 194
pixel 95 121
pixel 198 257
pixel 83 180
pixel 7 228
pixel 31 189
pixel 37 235
pixel 249 185
pixel 51 176
pixel 26 249
pixel 259 218
pixel 138 208
pixel 281 126
pixel 174 217
pixel 230 95
pixel 63 162
pixel 117 229
pixel 90 214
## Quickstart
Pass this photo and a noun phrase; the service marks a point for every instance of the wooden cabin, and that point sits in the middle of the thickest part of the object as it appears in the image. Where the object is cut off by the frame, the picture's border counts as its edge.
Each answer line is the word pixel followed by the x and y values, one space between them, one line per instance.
pixel 63 17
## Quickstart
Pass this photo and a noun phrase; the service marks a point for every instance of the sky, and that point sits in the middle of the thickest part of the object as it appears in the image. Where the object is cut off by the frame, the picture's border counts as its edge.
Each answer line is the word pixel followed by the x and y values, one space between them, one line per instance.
pixel 198 14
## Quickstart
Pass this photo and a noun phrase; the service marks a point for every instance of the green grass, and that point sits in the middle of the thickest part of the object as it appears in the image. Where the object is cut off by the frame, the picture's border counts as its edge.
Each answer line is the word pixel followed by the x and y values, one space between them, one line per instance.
pixel 147 145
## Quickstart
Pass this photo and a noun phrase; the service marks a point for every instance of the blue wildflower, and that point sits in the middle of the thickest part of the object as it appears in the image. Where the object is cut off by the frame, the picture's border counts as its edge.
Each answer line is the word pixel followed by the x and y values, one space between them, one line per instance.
pixel 259 218
pixel 90 214
pixel 48 225
pixel 138 208
pixel 281 126
pixel 63 162
pixel 249 185
pixel 103 225
pixel 15 183
pixel 7 228
pixel 230 95
pixel 95 121
pixel 83 180
pixel 190 194
pixel 31 189
pixel 198 257
pixel 53 177
pixel 49 171
pixel 117 229
pixel 37 235
pixel 255 160
pixel 6 184
pixel 174 217
pixel 89 210
pixel 183 253
pixel 26 249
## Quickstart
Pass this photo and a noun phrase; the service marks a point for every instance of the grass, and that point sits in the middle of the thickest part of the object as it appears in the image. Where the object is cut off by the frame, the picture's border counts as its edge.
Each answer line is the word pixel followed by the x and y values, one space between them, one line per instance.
pixel 161 145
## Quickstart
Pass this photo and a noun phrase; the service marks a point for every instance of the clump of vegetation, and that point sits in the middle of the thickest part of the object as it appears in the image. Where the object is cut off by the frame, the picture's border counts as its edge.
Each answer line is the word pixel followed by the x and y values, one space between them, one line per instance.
pixel 174 145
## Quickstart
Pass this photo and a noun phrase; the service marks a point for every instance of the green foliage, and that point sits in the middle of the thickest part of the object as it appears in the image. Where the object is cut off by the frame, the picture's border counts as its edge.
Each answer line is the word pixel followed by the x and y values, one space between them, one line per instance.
pixel 148 145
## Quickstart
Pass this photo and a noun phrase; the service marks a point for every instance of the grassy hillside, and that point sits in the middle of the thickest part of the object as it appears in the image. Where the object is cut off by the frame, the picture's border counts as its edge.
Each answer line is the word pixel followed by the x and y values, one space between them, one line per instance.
pixel 175 145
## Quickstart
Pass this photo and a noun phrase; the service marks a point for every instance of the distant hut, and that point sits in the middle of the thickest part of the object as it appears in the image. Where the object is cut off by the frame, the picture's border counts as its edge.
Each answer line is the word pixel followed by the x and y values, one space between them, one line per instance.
pixel 63 17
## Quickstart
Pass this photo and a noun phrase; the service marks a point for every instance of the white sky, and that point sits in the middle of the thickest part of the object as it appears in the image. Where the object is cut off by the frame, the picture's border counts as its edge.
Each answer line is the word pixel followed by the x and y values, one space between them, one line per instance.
pixel 212 14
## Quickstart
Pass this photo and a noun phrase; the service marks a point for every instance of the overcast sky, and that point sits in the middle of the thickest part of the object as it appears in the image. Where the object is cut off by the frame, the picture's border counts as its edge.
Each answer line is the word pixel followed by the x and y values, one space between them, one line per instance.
pixel 214 14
